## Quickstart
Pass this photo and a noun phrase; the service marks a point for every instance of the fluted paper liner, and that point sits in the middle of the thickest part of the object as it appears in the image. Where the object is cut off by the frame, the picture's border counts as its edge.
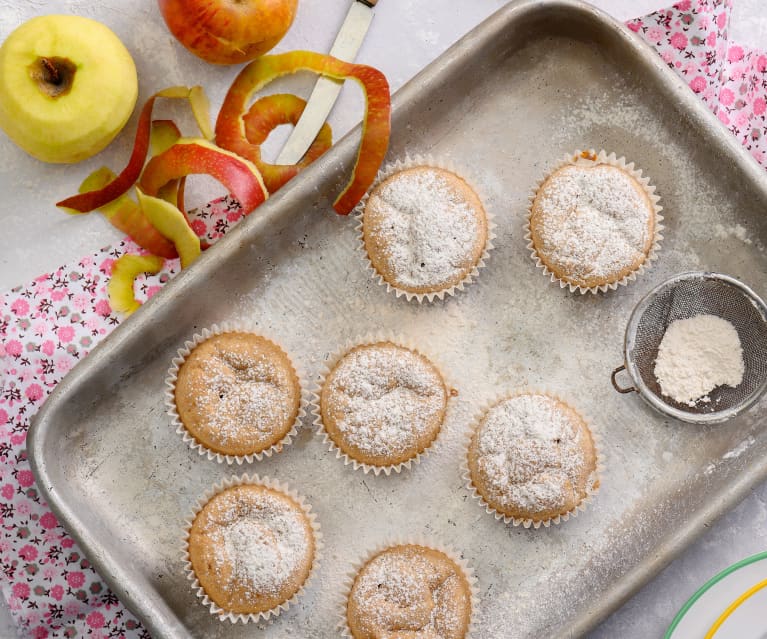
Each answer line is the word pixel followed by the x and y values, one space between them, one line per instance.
pixel 594 158
pixel 591 489
pixel 452 554
pixel 268 615
pixel 372 338
pixel 191 440
pixel 411 162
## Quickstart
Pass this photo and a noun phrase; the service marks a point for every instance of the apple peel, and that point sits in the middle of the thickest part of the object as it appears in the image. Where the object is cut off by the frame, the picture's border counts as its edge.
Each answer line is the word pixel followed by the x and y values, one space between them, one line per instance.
pixel 95 199
pixel 196 155
pixel 376 124
pixel 125 215
pixel 200 104
pixel 262 118
pixel 173 225
pixel 120 292
pixel 163 135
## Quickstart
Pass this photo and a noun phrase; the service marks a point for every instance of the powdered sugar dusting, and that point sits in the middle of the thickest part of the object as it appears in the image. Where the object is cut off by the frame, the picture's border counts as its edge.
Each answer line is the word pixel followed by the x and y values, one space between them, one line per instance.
pixel 433 236
pixel 530 454
pixel 248 399
pixel 262 542
pixel 594 221
pixel 385 399
pixel 406 589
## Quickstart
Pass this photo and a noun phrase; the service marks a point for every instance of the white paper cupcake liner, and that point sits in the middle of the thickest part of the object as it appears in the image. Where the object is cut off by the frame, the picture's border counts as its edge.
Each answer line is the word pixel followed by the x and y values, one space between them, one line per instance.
pixel 351 575
pixel 191 440
pixel 591 490
pixel 268 615
pixel 372 338
pixel 589 158
pixel 411 162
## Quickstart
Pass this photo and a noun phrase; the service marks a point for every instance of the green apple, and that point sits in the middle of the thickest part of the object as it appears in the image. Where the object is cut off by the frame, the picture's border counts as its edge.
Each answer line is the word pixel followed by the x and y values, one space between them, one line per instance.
pixel 67 87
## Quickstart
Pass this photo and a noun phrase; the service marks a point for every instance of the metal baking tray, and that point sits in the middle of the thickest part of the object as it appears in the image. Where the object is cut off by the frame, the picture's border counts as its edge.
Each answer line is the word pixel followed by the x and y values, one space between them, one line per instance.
pixel 537 80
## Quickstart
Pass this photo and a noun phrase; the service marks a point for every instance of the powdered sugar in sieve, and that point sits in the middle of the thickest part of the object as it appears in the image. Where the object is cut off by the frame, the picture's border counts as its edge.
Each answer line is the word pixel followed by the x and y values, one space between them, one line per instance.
pixel 684 297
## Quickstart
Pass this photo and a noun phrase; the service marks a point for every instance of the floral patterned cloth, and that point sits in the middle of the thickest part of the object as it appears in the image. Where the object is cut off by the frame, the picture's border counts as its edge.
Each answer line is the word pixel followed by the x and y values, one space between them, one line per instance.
pixel 47 326
pixel 731 79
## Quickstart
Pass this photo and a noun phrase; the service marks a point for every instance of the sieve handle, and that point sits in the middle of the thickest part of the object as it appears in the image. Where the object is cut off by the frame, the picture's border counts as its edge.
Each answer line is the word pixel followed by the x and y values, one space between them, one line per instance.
pixel 616 386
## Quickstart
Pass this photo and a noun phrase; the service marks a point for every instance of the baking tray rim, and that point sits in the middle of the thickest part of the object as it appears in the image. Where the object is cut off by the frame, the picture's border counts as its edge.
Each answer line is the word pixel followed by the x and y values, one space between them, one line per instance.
pixel 152 612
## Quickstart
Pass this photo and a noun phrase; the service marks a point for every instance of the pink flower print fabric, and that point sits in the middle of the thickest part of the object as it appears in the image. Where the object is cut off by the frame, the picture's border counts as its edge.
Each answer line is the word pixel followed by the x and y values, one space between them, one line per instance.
pixel 45 328
pixel 731 79
pixel 48 325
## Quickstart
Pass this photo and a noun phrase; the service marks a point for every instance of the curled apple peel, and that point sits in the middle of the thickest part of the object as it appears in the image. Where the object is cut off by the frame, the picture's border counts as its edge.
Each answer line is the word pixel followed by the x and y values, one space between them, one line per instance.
pixel 159 222
pixel 92 200
pixel 163 135
pixel 195 155
pixel 125 270
pixel 262 118
pixel 376 125
pixel 172 224
pixel 125 214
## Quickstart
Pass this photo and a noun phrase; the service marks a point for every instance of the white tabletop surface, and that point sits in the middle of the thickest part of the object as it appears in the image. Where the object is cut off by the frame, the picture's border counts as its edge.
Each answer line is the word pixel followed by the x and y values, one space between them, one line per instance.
pixel 406 35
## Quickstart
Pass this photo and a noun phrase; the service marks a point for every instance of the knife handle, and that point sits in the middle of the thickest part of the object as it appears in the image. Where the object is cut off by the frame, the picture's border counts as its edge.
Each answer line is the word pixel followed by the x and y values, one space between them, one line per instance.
pixel 370 3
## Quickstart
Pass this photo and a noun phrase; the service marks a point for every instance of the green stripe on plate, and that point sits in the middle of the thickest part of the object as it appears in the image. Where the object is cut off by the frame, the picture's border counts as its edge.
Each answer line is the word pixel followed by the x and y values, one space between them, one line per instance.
pixel 711 582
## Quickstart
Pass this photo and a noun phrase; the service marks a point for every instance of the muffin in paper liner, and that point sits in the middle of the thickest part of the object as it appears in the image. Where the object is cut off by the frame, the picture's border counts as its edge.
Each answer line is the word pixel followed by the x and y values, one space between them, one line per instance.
pixel 191 440
pixel 330 364
pixel 452 554
pixel 410 162
pixel 592 158
pixel 269 615
pixel 591 489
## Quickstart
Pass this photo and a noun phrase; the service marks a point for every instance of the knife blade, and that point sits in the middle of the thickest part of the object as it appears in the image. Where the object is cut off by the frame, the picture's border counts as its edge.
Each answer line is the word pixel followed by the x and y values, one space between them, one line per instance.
pixel 326 90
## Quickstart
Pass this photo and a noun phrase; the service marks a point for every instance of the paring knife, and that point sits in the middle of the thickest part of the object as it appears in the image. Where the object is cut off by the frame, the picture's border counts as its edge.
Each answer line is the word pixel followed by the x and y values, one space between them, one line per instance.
pixel 323 97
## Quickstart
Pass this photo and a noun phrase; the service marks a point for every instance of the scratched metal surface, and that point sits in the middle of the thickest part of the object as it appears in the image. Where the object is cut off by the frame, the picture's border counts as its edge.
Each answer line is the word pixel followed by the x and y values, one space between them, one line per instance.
pixel 537 80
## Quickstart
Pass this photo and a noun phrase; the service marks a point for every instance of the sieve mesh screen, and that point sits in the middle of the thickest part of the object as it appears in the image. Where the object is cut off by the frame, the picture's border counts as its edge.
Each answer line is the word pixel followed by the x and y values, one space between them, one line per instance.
pixel 701 294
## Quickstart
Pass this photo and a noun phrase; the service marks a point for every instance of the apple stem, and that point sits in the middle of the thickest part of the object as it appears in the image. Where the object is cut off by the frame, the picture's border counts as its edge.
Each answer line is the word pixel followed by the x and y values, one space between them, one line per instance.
pixel 52 75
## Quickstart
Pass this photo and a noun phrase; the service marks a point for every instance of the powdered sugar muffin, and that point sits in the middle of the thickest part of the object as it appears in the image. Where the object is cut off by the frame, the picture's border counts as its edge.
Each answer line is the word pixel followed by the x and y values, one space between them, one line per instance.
pixel 424 230
pixel 532 458
pixel 237 393
pixel 251 548
pixel 592 224
pixel 410 591
pixel 382 404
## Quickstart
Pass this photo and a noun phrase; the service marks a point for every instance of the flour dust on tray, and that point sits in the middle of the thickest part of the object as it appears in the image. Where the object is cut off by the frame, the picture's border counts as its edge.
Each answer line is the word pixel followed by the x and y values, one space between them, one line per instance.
pixel 695 356
pixel 532 460
pixel 236 394
pixel 594 223
pixel 425 231
pixel 409 590
pixel 251 548
pixel 381 405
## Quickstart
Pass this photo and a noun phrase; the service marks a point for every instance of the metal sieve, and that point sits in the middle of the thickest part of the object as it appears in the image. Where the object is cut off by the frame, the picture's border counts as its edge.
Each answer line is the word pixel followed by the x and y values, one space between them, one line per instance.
pixel 684 296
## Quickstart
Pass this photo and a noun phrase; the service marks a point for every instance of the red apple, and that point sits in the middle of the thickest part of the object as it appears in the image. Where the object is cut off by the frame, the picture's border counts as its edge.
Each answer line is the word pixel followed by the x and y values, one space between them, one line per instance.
pixel 228 31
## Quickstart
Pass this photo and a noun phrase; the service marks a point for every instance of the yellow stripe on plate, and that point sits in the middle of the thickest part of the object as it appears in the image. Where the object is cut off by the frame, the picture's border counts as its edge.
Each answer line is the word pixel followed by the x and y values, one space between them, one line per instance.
pixel 733 606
